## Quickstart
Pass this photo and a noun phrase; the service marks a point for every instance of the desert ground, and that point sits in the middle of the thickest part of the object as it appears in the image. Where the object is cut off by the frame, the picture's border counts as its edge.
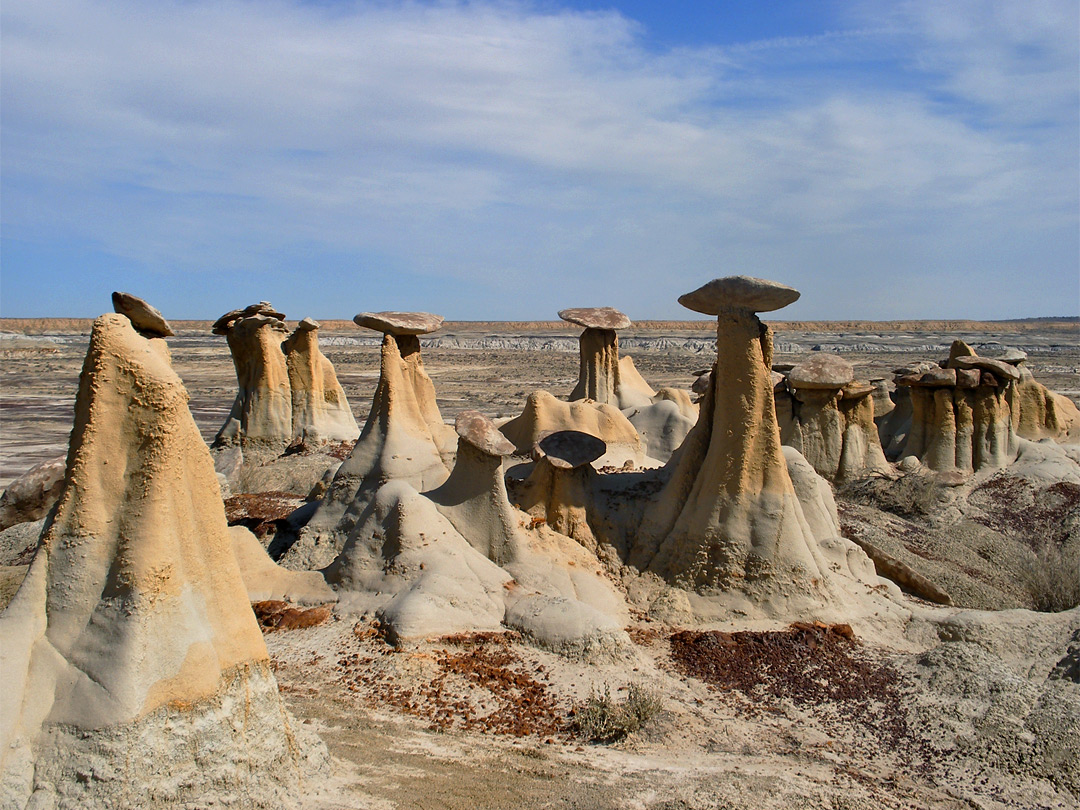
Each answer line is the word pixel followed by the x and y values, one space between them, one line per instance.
pixel 797 716
pixel 491 367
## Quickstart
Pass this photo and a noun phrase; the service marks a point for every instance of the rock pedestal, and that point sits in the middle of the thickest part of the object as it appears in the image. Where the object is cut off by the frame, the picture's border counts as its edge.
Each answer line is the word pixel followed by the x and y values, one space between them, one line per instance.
pixel 130 651
pixel 320 412
pixel 729 522
pixel 261 415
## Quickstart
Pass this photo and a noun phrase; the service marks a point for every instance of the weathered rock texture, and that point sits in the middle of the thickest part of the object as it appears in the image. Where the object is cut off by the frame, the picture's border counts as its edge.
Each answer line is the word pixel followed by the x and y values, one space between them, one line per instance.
pixel 320 412
pixel 261 415
pixel 829 418
pixel 462 558
pixel 404 438
pixel 598 375
pixel 729 522
pixel 1039 413
pixel 545 414
pixel 135 674
pixel 960 419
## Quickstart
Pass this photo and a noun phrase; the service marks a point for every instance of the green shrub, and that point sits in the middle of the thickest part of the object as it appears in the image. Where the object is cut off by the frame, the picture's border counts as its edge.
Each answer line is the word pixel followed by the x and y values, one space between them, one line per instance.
pixel 602 719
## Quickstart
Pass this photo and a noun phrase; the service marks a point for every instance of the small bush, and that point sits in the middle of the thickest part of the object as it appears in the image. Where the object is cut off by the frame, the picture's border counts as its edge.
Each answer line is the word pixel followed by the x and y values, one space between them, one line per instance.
pixel 602 719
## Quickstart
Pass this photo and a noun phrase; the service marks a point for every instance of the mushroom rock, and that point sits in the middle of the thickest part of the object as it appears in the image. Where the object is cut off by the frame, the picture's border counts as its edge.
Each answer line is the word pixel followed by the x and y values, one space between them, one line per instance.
pixel 544 414
pixel 830 419
pixel 145 318
pixel 261 415
pixel 264 579
pixel 861 451
pixel 956 427
pixel 131 642
pixel 404 438
pixel 560 488
pixel 818 431
pixel 320 412
pixel 474 497
pixel 598 375
pixel 223 324
pixel 728 522
pixel 821 372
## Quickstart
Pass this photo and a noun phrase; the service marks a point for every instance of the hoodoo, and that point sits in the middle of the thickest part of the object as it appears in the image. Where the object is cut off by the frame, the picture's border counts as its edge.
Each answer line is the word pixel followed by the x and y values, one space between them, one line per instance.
pixel 320 412
pixel 130 651
pixel 598 375
pixel 260 421
pixel 728 523
pixel 404 438
pixel 828 416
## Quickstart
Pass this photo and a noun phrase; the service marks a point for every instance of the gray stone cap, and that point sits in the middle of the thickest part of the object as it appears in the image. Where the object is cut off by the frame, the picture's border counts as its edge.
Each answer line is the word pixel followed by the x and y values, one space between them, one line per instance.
pixel 1013 356
pixel 596 317
pixel 481 433
pixel 143 317
pixel 779 381
pixel 307 325
pixel 569 449
pixel 739 292
pixel 821 371
pixel 399 323
pixel 223 324
pixel 1006 370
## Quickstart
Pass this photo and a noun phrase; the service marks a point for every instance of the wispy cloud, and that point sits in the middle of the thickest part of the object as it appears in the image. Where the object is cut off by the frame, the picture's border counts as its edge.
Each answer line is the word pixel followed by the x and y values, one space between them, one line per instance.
pixel 518 160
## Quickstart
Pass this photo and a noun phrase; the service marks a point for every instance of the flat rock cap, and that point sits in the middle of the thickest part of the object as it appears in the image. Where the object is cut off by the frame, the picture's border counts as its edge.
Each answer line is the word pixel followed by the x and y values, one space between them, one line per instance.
pixel 569 449
pixel 143 317
pixel 399 323
pixel 481 433
pixel 596 317
pixel 1006 370
pixel 739 292
pixel 1012 356
pixel 822 371
pixel 307 325
pixel 932 378
pixel 225 322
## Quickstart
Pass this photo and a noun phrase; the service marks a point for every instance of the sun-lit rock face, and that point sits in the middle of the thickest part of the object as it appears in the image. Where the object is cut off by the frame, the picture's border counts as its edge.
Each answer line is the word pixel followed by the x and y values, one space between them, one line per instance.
pixel 598 375
pixel 131 642
pixel 320 411
pixel 261 417
pixel 544 414
pixel 461 557
pixel 729 523
pixel 829 418
pixel 404 438
pixel 961 421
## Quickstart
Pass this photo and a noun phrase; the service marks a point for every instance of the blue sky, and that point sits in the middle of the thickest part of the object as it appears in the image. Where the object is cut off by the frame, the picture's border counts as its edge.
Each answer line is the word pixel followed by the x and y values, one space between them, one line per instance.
pixel 503 160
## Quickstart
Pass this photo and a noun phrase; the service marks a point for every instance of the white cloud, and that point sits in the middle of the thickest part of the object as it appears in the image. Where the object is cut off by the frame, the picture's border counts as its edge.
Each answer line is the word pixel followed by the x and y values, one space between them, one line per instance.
pixel 492 142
